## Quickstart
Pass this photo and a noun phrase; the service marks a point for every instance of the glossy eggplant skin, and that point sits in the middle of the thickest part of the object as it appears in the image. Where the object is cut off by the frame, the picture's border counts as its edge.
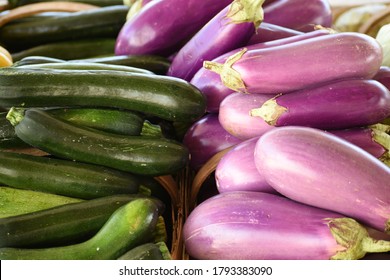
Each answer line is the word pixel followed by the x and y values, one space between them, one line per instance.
pixel 254 225
pixel 205 138
pixel 337 105
pixel 210 84
pixel 268 32
pixel 234 115
pixel 163 26
pixel 383 76
pixel 304 64
pixel 317 168
pixel 236 171
pixel 301 15
pixel 217 37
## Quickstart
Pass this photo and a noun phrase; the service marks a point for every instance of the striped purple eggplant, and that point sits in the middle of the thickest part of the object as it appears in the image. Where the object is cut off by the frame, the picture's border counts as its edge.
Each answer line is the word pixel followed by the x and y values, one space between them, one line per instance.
pixel 236 171
pixel 373 139
pixel 210 82
pixel 205 138
pixel 320 169
pixel 268 32
pixel 163 26
pixel 337 105
pixel 302 64
pixel 230 29
pixel 300 15
pixel 255 225
pixel 234 115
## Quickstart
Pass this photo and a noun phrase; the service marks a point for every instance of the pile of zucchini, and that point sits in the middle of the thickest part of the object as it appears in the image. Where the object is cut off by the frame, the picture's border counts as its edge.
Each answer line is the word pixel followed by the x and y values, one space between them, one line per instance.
pixel 85 139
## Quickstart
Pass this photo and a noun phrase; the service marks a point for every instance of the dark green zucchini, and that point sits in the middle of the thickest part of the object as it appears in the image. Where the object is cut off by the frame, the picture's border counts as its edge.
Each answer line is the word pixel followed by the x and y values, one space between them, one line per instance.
pixel 8 138
pixel 128 226
pixel 36 59
pixel 67 50
pixel 157 64
pixel 103 22
pixel 161 96
pixel 136 154
pixel 64 177
pixel 148 251
pixel 17 201
pixel 87 66
pixel 100 3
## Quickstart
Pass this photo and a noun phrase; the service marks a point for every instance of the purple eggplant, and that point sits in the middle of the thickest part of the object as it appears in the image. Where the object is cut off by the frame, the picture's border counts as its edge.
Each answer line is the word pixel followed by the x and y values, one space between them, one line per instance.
pixel 337 105
pixel 268 32
pixel 383 76
pixel 205 138
pixel 320 169
pixel 256 225
pixel 236 171
pixel 373 139
pixel 234 115
pixel 300 15
pixel 135 7
pixel 163 26
pixel 210 82
pixel 230 29
pixel 302 64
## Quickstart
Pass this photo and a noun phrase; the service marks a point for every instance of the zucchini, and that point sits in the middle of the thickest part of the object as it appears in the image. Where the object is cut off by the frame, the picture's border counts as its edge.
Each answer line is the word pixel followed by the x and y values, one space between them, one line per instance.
pixel 8 138
pixel 87 66
pixel 157 64
pixel 64 177
pixel 74 49
pixel 165 97
pixel 64 224
pixel 102 22
pixel 36 59
pixel 136 154
pixel 129 226
pixel 148 251
pixel 17 201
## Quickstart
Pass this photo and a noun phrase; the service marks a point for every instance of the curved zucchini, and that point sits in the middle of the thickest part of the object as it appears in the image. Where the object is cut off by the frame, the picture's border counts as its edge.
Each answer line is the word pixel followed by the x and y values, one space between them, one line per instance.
pixel 87 24
pixel 129 225
pixel 161 96
pixel 148 251
pixel 157 64
pixel 135 154
pixel 74 49
pixel 64 177
pixel 87 66
pixel 17 201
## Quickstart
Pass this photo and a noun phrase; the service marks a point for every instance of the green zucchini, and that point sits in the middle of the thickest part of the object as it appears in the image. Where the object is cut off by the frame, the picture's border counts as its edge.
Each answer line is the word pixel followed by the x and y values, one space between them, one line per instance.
pixel 100 3
pixel 102 22
pixel 88 66
pixel 136 154
pixel 148 251
pixel 75 49
pixel 129 226
pixel 8 138
pixel 157 64
pixel 165 97
pixel 17 201
pixel 64 177
pixel 64 224
pixel 36 59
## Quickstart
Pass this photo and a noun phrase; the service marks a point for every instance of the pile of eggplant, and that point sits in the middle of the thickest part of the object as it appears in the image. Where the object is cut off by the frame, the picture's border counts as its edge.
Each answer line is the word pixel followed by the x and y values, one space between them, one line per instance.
pixel 304 110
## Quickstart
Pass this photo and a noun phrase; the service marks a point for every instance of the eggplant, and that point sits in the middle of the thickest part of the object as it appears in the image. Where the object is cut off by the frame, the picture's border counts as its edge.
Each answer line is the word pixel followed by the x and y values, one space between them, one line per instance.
pixel 205 138
pixel 210 82
pixel 268 32
pixel 373 139
pixel 301 15
pixel 231 28
pixel 236 171
pixel 302 64
pixel 245 225
pixel 234 115
pixel 383 76
pixel 337 105
pixel 320 169
pixel 163 26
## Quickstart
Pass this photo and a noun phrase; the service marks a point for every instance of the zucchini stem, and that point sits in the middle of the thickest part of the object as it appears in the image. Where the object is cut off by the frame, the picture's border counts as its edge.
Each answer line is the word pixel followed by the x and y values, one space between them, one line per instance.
pixel 15 115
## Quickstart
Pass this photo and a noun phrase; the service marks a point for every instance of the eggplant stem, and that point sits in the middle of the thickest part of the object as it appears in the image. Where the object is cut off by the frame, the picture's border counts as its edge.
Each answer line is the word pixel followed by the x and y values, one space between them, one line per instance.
pixel 270 111
pixel 381 137
pixel 371 245
pixel 246 11
pixel 229 76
